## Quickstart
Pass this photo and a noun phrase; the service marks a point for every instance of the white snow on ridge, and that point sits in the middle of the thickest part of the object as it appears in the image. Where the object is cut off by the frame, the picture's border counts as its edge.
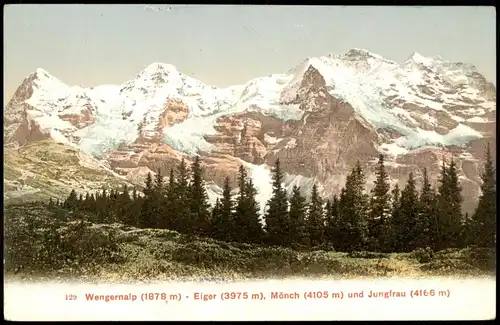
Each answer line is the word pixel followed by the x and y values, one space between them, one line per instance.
pixel 478 119
pixel 362 78
pixel 420 138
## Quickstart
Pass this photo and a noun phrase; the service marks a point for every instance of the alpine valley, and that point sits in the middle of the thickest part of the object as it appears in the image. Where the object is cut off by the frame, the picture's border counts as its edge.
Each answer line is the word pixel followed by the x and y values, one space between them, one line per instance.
pixel 319 119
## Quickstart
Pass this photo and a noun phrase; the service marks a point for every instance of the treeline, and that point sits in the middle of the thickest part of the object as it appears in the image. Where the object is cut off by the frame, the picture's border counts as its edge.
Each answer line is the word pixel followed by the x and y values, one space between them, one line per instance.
pixel 384 220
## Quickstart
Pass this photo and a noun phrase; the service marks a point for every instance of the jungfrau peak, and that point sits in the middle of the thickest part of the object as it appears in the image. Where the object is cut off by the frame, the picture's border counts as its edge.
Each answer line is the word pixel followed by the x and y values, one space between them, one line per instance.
pixel 319 118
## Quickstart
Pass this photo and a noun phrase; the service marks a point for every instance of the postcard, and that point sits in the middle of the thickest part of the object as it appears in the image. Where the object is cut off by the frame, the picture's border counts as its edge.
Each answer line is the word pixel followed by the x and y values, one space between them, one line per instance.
pixel 199 162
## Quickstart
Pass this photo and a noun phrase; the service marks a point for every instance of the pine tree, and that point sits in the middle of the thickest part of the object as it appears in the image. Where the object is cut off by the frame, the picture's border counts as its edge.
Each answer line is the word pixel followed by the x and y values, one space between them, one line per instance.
pixel 124 205
pixel 185 222
pixel 254 231
pixel 147 215
pixel 353 211
pixel 246 214
pixel 170 215
pixel 427 220
pixel 216 221
pixel 158 201
pixel 449 208
pixel 223 227
pixel 380 206
pixel 332 230
pixel 277 213
pixel 484 218
pixel 403 224
pixel 71 202
pixel 199 206
pixel 297 215
pixel 315 219
pixel 51 203
pixel 136 208
pixel 395 215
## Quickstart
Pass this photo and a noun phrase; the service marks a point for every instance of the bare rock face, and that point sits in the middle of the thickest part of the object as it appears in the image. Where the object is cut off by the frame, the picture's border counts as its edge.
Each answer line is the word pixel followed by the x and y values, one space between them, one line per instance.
pixel 248 136
pixel 328 140
pixel 174 111
pixel 81 120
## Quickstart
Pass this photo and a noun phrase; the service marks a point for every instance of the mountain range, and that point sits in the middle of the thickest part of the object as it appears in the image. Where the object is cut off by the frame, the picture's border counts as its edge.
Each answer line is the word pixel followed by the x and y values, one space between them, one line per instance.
pixel 319 118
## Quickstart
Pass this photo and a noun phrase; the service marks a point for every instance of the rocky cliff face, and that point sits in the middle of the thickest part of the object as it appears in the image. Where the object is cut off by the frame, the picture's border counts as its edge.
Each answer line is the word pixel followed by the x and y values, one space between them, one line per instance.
pixel 320 118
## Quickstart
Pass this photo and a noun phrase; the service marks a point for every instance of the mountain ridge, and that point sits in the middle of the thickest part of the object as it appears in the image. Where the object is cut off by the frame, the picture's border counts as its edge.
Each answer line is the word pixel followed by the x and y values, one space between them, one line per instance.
pixel 352 106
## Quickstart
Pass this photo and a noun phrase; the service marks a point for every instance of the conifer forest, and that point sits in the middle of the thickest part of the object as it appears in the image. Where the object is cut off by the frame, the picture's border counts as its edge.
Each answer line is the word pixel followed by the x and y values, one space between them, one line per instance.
pixel 171 224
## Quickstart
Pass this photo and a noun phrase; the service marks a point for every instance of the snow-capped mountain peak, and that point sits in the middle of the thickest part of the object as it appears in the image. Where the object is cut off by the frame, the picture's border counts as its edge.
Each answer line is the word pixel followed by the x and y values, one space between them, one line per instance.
pixel 158 69
pixel 319 117
pixel 361 54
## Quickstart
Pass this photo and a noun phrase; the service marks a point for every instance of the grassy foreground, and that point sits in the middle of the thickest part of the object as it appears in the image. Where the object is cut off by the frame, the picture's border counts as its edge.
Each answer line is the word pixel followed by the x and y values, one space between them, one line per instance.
pixel 50 245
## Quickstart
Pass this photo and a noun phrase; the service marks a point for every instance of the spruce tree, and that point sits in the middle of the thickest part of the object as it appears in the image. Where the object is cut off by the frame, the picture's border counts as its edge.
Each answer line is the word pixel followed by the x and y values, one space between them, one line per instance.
pixel 254 231
pixel 183 198
pixel 246 215
pixel 449 208
pixel 158 201
pixel 297 215
pixel 484 218
pixel 223 227
pixel 380 206
pixel 170 215
pixel 124 204
pixel 332 230
pixel 315 219
pixel 216 221
pixel 277 213
pixel 199 205
pixel 395 215
pixel 149 189
pixel 147 215
pixel 72 201
pixel 353 210
pixel 403 224
pixel 427 220
pixel 51 203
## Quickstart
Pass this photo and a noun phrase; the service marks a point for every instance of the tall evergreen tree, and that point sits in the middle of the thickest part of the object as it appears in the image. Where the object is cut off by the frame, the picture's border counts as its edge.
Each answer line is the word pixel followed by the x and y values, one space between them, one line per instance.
pixel 148 191
pixel 254 231
pixel 332 227
pixel 170 212
pixel 484 218
pixel 404 222
pixel 51 203
pixel 427 220
pixel 223 223
pixel 199 206
pixel 297 216
pixel 246 214
pixel 315 219
pixel 353 210
pixel 277 212
pixel 71 202
pixel 183 198
pixel 380 206
pixel 124 204
pixel 393 244
pixel 216 221
pixel 158 201
pixel 449 208
pixel 147 217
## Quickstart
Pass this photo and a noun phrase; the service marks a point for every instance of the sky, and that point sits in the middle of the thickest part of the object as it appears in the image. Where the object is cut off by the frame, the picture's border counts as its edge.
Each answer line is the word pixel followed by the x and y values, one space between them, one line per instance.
pixel 89 45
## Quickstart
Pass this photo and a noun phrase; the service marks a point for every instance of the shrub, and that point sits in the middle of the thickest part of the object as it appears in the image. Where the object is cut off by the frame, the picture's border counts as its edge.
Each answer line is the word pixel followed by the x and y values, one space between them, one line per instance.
pixel 422 255
pixel 40 243
pixel 365 254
